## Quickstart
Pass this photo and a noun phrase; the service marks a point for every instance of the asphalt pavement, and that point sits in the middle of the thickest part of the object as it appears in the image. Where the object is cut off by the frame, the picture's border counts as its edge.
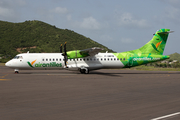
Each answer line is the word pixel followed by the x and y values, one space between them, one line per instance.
pixel 101 95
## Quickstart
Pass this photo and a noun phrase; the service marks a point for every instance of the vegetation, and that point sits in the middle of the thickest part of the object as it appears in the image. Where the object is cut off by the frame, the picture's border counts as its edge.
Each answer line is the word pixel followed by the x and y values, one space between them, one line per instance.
pixel 2 64
pixel 175 56
pixel 46 38
pixel 153 68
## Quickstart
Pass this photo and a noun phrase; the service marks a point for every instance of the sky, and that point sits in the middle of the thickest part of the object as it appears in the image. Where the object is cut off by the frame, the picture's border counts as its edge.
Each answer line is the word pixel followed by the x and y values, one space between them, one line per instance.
pixel 120 25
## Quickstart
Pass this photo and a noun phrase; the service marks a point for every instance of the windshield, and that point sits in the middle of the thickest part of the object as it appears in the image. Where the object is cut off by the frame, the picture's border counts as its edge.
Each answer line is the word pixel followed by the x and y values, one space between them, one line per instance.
pixel 18 57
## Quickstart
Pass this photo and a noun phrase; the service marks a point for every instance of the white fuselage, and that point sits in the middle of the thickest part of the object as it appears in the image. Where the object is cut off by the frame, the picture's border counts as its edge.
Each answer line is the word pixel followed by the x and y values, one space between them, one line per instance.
pixel 55 61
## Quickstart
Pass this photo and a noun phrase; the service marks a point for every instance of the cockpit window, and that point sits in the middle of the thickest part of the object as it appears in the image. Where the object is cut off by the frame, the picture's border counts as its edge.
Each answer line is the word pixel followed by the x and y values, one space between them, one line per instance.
pixel 18 57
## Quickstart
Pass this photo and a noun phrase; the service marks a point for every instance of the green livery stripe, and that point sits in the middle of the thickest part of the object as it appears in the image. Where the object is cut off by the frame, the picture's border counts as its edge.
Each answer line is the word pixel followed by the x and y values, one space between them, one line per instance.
pixel 30 64
pixel 130 59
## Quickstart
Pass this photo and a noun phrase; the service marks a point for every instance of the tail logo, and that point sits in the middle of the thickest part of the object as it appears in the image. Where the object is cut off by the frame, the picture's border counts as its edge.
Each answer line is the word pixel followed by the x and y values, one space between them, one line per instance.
pixel 31 64
pixel 157 45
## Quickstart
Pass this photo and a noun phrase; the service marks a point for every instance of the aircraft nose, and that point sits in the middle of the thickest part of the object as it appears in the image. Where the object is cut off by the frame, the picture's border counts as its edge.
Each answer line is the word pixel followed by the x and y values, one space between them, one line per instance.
pixel 8 64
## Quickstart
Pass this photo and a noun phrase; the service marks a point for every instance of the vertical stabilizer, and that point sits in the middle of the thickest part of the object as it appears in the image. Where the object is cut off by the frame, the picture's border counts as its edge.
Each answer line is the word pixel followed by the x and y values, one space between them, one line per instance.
pixel 157 43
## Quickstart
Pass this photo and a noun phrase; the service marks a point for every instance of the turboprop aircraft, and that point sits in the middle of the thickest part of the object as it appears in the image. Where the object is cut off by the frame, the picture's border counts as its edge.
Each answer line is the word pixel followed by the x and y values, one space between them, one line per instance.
pixel 90 59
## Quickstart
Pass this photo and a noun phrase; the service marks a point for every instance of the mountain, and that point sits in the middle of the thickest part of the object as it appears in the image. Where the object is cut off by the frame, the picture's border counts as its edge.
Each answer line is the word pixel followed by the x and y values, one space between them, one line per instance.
pixel 39 37
pixel 175 56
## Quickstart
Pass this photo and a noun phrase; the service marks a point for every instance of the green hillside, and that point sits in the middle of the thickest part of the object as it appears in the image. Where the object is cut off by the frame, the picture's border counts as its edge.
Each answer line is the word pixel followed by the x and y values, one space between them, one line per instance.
pixel 44 37
pixel 175 56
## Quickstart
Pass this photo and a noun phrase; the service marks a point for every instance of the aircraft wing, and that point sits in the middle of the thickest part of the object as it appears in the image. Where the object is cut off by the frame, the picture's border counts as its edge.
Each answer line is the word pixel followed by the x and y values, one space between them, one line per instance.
pixel 83 53
pixel 90 52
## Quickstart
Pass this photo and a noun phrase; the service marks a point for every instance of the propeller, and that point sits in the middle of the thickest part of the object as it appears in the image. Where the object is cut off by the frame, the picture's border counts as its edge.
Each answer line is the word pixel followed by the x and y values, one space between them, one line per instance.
pixel 61 48
pixel 65 55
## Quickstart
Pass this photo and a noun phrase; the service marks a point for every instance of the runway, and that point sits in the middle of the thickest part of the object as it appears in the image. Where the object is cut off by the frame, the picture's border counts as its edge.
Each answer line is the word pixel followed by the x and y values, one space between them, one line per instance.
pixel 100 95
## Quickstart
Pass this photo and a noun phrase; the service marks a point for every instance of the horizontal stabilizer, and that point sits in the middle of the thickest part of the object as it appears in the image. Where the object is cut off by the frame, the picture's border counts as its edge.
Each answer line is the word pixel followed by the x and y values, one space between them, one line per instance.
pixel 165 32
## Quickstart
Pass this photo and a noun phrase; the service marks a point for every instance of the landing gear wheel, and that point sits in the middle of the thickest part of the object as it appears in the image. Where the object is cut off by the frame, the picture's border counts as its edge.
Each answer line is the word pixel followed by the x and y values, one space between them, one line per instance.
pixel 87 71
pixel 16 71
pixel 84 71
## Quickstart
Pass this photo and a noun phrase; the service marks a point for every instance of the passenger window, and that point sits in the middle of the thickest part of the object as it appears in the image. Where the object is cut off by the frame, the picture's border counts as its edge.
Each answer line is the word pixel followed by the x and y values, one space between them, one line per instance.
pixel 56 59
pixel 114 59
pixel 101 59
pixel 49 59
pixel 124 58
pixel 84 59
pixel 80 59
pixel 104 59
pixel 87 59
pixel 98 59
pixel 59 59
pixel 42 59
pixel 108 59
pixel 53 59
pixel 117 58
pixel 46 59
pixel 121 59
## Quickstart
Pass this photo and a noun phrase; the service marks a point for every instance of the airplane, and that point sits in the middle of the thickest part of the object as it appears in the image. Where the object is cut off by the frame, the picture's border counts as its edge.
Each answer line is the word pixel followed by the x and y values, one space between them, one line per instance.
pixel 91 59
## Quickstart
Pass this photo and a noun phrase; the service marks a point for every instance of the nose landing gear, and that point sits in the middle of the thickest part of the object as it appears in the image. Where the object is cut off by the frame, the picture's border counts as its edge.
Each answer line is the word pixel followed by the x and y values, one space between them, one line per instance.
pixel 16 71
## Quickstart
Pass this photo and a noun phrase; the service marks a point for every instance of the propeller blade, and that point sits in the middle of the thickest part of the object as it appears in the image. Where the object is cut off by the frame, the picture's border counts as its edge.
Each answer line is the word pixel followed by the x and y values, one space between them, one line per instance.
pixel 65 60
pixel 65 49
pixel 61 48
pixel 65 55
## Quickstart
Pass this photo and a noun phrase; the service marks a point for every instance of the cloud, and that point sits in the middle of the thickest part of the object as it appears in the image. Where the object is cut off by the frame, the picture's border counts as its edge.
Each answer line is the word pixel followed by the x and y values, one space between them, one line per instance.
pixel 127 20
pixel 20 2
pixel 106 38
pixel 175 3
pixel 60 10
pixel 172 11
pixel 52 14
pixel 90 23
pixel 6 12
pixel 12 3
pixel 69 17
pixel 9 9
pixel 127 40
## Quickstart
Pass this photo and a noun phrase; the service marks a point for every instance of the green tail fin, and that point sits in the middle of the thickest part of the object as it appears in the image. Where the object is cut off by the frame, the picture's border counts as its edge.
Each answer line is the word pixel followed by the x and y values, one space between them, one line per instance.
pixel 157 43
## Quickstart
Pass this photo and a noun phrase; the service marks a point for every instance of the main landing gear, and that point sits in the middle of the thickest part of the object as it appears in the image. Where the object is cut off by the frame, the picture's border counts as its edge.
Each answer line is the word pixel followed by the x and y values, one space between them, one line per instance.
pixel 84 71
pixel 16 71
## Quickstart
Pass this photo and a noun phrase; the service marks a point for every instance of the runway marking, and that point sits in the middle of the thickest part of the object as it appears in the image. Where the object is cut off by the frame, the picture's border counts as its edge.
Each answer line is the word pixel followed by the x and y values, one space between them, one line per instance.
pixel 166 116
pixel 4 76
pixel 4 79
pixel 54 74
